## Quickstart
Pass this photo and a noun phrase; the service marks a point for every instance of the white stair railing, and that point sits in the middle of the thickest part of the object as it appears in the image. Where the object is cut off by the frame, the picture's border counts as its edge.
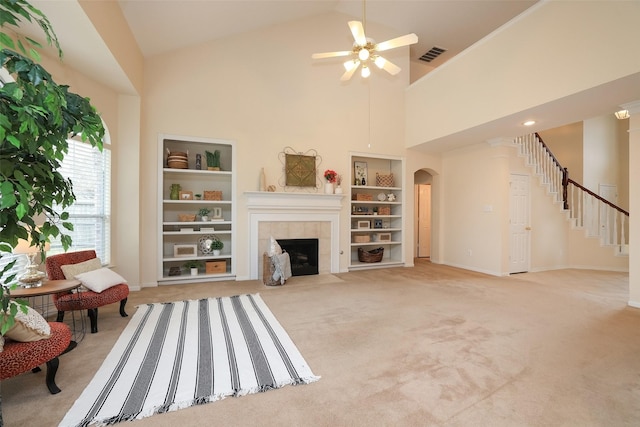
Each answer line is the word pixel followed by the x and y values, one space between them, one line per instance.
pixel 599 217
pixel 543 162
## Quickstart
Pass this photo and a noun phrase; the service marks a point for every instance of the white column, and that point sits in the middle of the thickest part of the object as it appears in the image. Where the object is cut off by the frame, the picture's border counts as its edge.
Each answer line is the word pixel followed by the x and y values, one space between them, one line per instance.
pixel 634 203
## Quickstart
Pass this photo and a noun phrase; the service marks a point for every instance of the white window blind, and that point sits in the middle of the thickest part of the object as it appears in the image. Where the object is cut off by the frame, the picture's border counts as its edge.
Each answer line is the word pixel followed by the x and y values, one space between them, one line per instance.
pixel 90 172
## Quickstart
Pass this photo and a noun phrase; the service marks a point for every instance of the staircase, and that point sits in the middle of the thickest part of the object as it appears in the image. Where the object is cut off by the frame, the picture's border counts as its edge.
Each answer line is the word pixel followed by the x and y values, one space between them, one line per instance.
pixel 586 210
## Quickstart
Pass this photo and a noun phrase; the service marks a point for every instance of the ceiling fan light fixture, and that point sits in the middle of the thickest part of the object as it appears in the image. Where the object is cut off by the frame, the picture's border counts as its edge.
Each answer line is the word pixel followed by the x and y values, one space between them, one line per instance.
pixel 363 54
pixel 366 72
pixel 379 61
pixel 351 64
pixel 622 114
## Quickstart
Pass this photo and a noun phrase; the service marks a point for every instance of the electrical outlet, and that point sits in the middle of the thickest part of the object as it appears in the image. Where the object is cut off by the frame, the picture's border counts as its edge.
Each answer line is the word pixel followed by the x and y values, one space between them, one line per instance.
pixel 470 252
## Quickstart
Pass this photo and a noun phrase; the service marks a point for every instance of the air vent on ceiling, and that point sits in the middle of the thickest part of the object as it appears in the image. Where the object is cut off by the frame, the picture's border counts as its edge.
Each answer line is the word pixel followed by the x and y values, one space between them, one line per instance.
pixel 432 54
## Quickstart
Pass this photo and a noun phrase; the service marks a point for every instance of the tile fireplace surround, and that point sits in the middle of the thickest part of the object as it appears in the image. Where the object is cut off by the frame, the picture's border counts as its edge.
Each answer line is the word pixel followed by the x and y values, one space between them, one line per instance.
pixel 294 216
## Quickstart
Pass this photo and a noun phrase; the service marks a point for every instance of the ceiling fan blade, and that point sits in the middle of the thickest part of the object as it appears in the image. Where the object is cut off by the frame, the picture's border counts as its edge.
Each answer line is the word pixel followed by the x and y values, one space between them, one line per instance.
pixel 397 42
pixel 358 32
pixel 331 54
pixel 388 66
pixel 347 75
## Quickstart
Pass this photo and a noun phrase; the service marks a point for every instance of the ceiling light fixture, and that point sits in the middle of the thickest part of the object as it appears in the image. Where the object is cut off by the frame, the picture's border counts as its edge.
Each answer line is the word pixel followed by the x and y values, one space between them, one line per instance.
pixel 529 123
pixel 622 114
pixel 365 50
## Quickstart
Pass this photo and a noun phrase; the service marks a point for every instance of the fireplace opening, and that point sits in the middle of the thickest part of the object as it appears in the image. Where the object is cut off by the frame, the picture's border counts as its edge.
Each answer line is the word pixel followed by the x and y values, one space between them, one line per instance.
pixel 303 254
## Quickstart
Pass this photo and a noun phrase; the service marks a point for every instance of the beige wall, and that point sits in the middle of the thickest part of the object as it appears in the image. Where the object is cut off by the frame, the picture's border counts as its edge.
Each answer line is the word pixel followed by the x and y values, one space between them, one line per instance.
pixel 264 91
pixel 566 144
pixel 529 62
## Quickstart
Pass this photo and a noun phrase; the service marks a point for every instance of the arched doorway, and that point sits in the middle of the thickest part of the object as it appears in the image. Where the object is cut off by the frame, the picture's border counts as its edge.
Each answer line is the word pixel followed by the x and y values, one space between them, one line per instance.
pixel 423 206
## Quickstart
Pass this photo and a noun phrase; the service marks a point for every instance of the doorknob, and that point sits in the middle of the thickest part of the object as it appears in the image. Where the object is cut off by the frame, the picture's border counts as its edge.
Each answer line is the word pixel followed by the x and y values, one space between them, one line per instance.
pixel 527 228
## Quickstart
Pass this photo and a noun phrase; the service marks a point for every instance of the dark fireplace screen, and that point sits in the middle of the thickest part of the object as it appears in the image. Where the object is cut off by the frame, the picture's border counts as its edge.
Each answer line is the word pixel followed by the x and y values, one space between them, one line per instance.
pixel 303 254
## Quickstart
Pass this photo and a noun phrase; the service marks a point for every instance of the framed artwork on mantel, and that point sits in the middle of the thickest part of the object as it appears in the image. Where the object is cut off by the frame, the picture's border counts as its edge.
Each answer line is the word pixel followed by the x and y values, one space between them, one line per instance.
pixel 360 172
pixel 300 170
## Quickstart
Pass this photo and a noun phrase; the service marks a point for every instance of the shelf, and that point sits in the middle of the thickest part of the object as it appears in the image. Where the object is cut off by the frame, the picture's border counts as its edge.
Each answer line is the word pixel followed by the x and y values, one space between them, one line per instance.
pixel 362 211
pixel 196 181
pixel 376 243
pixel 181 233
pixel 195 171
pixel 197 202
pixel 188 278
pixel 374 230
pixel 354 188
pixel 199 258
pixel 357 265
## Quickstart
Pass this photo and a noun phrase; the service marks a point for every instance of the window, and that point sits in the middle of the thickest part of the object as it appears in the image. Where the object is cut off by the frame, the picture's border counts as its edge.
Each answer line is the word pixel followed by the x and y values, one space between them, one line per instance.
pixel 90 172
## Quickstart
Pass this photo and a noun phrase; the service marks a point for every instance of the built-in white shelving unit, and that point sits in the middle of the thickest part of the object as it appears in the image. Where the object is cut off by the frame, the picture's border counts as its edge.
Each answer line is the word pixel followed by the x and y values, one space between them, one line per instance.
pixel 376 218
pixel 181 241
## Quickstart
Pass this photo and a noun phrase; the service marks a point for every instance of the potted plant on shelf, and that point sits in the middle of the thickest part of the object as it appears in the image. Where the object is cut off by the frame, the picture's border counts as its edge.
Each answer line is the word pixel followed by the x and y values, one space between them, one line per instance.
pixel 213 160
pixel 216 246
pixel 204 214
pixel 38 117
pixel 193 265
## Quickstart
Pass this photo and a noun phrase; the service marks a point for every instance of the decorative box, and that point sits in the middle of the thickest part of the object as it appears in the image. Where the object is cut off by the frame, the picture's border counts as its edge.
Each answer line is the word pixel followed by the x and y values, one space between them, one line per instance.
pixel 382 237
pixel 212 195
pixel 362 197
pixel 384 210
pixel 185 250
pixel 364 238
pixel 216 267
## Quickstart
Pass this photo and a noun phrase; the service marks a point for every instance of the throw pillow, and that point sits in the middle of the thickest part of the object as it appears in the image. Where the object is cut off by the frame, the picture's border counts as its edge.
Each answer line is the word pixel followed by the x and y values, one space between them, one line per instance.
pixel 29 326
pixel 101 279
pixel 70 271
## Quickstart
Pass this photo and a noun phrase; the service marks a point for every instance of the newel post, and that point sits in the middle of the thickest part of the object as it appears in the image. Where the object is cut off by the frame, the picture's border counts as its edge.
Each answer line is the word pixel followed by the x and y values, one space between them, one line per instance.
pixel 565 185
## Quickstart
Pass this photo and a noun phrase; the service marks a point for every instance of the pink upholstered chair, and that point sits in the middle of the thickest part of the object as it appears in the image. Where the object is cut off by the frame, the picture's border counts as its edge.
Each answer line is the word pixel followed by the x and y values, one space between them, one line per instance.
pixel 88 300
pixel 18 357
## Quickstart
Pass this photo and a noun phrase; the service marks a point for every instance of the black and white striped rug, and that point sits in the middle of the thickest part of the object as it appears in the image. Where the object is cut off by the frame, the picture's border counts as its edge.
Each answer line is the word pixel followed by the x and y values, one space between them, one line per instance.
pixel 174 355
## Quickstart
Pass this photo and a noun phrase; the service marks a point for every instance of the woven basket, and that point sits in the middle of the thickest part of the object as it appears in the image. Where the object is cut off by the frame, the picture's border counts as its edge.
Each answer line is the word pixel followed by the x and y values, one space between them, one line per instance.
pixel 362 197
pixel 186 217
pixel 384 210
pixel 213 195
pixel 374 255
pixel 384 180
pixel 364 238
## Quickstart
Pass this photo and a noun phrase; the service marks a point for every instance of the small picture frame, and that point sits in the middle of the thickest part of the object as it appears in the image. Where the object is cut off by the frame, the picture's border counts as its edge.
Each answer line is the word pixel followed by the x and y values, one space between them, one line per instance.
pixel 186 195
pixel 377 223
pixel 361 173
pixel 185 250
pixel 363 225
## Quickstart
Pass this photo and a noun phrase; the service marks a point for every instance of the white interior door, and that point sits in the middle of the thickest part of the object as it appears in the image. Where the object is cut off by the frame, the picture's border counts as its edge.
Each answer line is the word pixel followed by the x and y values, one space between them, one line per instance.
pixel 519 227
pixel 424 220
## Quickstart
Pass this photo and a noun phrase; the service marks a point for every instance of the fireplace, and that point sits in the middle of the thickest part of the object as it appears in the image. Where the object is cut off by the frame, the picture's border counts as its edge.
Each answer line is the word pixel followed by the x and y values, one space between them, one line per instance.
pixel 303 254
pixel 294 216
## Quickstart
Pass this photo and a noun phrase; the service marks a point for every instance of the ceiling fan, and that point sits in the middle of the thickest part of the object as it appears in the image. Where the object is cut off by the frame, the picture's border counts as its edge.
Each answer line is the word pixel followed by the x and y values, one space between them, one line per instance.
pixel 366 51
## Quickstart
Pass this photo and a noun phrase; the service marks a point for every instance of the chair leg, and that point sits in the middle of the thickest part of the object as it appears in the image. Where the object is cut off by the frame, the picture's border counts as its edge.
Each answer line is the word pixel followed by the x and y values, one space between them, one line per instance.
pixel 93 317
pixel 60 317
pixel 50 378
pixel 122 304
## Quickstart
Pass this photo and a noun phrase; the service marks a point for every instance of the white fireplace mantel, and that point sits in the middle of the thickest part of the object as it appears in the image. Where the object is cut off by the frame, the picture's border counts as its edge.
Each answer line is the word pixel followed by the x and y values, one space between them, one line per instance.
pixel 265 206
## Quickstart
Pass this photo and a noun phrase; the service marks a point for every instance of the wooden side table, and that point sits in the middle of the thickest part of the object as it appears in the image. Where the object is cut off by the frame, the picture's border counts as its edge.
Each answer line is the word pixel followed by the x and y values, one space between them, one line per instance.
pixel 40 300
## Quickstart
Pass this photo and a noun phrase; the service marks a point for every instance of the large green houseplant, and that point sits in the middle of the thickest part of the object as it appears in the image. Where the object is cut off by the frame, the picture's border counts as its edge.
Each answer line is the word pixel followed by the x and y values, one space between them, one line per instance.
pixel 37 116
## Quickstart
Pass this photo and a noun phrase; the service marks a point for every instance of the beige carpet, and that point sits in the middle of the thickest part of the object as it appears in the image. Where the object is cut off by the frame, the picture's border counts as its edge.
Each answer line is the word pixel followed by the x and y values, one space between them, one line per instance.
pixel 423 346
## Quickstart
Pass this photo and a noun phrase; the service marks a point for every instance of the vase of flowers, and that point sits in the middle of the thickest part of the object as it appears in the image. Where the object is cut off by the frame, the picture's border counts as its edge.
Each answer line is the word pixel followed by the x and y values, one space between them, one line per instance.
pixel 330 177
